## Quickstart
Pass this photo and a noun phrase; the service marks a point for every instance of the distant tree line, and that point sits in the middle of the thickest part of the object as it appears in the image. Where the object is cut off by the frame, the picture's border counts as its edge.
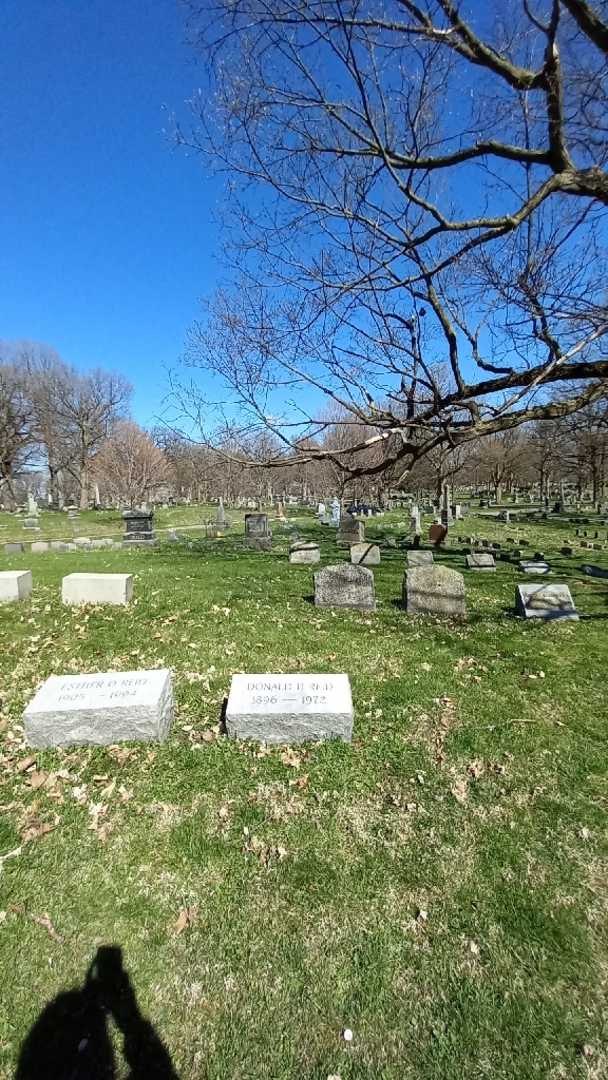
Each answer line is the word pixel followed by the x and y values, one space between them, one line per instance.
pixel 69 434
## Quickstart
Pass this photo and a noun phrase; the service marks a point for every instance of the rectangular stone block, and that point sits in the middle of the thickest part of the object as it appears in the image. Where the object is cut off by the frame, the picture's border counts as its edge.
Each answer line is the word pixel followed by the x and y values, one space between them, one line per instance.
pixel 99 709
pixel 39 546
pixel 539 601
pixel 434 590
pixel 420 558
pixel 97 589
pixel 15 585
pixel 13 549
pixel 365 554
pixel 304 552
pixel 345 586
pixel 534 566
pixel 481 560
pixel 290 708
pixel 59 545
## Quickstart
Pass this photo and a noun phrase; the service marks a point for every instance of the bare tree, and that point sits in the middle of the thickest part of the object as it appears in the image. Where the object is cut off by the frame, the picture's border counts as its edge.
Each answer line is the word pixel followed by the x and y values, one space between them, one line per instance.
pixel 17 438
pixel 88 406
pixel 418 207
pixel 129 467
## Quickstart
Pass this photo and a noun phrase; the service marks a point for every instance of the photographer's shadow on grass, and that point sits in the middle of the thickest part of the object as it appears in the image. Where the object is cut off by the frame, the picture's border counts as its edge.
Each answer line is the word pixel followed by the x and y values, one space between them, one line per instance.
pixel 71 1038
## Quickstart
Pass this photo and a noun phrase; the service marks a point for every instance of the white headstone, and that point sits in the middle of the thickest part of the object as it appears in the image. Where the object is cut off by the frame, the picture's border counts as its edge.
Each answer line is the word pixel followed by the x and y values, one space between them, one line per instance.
pixel 15 585
pixel 97 589
pixel 290 708
pixel 100 709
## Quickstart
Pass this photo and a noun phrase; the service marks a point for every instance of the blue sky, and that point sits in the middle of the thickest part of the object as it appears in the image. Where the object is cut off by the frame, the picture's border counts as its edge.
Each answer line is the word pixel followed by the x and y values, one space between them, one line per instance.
pixel 107 235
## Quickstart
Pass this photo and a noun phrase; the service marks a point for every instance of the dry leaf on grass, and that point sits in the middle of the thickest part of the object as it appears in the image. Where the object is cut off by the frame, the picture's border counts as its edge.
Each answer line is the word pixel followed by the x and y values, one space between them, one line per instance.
pixel 185 919
pixel 43 920
pixel 290 758
pixel 25 764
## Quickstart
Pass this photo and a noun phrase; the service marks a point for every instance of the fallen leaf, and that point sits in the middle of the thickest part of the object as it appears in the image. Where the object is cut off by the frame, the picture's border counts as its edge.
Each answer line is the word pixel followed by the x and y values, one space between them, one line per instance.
pixel 43 920
pixel 37 779
pixel 290 758
pixel 25 764
pixel 185 919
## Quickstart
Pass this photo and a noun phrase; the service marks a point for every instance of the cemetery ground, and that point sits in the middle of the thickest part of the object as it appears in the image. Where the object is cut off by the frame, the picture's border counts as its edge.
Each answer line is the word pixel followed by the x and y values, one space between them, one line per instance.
pixel 438 886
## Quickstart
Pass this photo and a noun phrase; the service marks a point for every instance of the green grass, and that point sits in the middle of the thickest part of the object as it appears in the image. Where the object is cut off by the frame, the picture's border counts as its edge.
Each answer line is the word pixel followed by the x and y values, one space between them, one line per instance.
pixel 474 791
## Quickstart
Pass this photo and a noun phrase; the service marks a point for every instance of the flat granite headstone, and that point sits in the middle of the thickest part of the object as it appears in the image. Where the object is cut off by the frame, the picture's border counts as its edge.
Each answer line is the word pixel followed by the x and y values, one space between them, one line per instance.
pixel 532 566
pixel 539 601
pixel 38 546
pixel 594 571
pixel 481 560
pixel 290 708
pixel 434 590
pixel 13 549
pixel 304 552
pixel 15 585
pixel 420 558
pixel 97 589
pixel 345 586
pixel 100 709
pixel 365 554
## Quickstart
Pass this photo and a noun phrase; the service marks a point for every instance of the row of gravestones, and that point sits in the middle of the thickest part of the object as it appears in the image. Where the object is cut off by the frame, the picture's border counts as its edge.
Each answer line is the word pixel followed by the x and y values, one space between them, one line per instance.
pixel 139 532
pixel 17 585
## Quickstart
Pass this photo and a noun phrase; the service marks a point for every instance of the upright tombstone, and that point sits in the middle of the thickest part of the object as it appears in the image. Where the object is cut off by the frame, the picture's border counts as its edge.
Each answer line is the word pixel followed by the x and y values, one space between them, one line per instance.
pixel 220 517
pixel 446 513
pixel 304 552
pixel 481 560
pixel 15 585
pixel 350 531
pixel 321 511
pixel 290 708
pixel 345 586
pixel 13 549
pixel 434 590
pixel 336 512
pixel 437 534
pixel 139 530
pixel 365 554
pixel 100 709
pixel 32 519
pixel 420 558
pixel 548 602
pixel 415 522
pixel 258 536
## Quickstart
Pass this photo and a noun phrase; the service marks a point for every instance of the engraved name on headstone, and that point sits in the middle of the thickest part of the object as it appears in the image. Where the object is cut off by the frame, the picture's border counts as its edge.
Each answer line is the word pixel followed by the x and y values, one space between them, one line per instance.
pixel 100 709
pixel 290 708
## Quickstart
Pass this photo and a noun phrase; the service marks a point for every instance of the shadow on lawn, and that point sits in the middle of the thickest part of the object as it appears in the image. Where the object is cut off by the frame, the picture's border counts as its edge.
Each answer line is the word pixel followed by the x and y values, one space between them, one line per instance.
pixel 70 1039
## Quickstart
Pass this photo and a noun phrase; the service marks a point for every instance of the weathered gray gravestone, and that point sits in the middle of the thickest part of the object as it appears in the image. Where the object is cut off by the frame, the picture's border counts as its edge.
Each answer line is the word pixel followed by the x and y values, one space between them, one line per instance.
pixel 345 586
pixel 290 708
pixel 481 560
pixel 536 601
pixel 258 536
pixel 13 549
pixel 420 558
pixel 365 554
pixel 97 710
pixel 304 552
pixel 350 531
pixel 434 590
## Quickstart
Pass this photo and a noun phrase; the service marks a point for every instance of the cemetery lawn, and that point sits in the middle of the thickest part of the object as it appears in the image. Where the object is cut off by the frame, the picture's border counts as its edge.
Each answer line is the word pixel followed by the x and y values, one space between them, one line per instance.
pixel 439 887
